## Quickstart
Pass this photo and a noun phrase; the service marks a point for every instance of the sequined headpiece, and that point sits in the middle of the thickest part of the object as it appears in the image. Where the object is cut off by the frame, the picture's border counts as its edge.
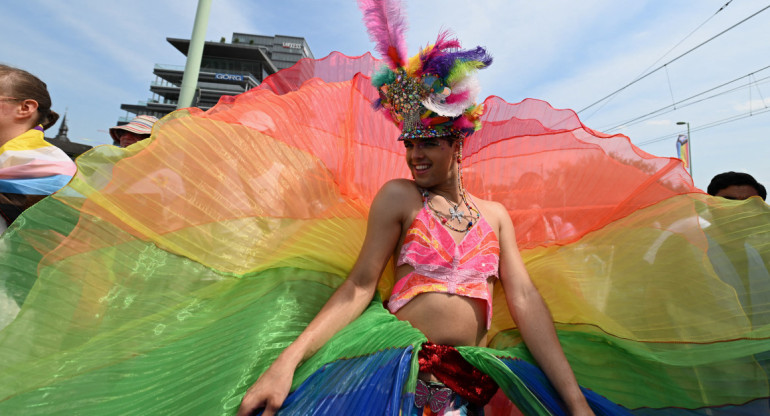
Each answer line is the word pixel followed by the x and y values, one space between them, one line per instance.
pixel 432 94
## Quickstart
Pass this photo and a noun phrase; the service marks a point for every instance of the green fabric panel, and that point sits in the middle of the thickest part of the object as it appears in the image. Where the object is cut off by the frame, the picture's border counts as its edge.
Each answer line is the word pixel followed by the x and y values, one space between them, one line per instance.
pixel 35 232
pixel 141 348
pixel 485 360
pixel 656 375
pixel 376 329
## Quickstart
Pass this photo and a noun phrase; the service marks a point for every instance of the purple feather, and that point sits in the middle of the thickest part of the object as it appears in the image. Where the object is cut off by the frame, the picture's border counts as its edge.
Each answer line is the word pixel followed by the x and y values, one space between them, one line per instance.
pixel 442 64
pixel 386 24
pixel 442 42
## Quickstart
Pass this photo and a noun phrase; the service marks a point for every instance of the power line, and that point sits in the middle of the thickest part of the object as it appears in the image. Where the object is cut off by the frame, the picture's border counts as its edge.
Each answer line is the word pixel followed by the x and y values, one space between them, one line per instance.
pixel 698 101
pixel 762 97
pixel 659 59
pixel 684 102
pixel 675 59
pixel 706 126
pixel 686 37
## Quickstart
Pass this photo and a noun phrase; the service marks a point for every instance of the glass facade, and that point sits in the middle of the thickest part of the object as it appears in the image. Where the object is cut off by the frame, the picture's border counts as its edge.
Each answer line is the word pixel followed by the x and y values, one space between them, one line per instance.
pixel 283 51
pixel 231 66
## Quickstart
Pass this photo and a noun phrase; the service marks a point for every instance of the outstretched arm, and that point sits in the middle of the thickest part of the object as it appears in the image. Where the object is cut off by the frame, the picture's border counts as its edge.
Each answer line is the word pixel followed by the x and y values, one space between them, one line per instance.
pixel 347 303
pixel 534 320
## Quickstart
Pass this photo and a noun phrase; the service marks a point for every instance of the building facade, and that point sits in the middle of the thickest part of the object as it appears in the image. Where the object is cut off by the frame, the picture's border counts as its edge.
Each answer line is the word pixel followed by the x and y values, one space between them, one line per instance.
pixel 226 69
pixel 283 51
pixel 63 142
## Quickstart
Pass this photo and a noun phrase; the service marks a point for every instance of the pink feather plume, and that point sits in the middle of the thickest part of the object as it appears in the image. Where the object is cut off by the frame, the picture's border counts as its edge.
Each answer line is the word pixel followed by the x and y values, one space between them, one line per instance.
pixel 443 41
pixel 454 98
pixel 386 24
pixel 463 123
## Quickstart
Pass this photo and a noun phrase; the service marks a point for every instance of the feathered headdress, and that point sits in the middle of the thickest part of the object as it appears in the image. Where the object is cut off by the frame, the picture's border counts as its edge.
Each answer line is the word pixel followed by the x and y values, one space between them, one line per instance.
pixel 432 94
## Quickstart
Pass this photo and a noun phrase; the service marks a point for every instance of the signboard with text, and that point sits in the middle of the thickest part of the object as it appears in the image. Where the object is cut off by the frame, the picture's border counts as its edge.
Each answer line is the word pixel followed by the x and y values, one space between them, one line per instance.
pixel 229 77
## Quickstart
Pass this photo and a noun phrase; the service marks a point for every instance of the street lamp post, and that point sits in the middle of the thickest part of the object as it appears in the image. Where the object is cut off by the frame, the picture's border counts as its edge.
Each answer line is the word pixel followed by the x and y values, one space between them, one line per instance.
pixel 689 144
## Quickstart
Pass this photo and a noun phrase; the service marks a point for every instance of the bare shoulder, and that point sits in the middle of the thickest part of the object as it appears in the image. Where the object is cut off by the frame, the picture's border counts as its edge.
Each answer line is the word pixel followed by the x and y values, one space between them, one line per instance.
pixel 494 212
pixel 400 188
pixel 399 197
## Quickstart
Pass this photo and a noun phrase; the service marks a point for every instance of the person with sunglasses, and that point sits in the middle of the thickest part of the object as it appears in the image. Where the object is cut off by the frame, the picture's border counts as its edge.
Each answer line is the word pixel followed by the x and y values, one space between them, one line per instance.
pixel 30 167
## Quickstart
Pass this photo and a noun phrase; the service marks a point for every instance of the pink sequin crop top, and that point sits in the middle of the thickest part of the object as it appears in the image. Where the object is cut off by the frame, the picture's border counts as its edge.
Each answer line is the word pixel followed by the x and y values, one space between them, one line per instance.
pixel 441 265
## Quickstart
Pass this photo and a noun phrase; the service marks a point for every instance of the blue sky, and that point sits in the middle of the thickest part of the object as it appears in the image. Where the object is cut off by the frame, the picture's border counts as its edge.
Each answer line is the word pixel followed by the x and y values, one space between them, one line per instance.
pixel 95 55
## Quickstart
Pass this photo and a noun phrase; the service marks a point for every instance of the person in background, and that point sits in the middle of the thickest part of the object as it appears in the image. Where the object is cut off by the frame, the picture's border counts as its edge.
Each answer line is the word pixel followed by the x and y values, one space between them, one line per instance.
pixel 734 252
pixel 138 129
pixel 736 185
pixel 30 167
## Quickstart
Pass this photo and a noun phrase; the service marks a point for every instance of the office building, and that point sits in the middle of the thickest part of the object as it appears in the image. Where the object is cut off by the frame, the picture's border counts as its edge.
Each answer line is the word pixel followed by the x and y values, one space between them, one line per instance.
pixel 226 69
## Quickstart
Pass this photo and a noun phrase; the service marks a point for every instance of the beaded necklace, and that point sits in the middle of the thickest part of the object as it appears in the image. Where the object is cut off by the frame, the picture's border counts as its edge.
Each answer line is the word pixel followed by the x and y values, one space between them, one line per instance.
pixel 455 213
pixel 454 208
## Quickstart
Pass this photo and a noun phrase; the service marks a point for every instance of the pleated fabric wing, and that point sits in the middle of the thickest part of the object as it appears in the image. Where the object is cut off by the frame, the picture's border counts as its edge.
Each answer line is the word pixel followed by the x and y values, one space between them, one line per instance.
pixel 167 276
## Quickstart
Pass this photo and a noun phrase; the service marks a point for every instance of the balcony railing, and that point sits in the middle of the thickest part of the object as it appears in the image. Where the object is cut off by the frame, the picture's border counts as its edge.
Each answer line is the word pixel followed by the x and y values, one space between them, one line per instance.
pixel 164 84
pixel 151 102
pixel 170 67
pixel 246 74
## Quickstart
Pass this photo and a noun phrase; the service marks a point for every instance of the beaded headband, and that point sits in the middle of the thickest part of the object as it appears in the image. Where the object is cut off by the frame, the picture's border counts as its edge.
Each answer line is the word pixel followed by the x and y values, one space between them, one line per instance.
pixel 432 94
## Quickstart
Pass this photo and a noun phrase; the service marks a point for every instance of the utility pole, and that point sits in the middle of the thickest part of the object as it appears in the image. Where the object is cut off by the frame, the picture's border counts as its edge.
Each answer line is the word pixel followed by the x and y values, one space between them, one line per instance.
pixel 194 54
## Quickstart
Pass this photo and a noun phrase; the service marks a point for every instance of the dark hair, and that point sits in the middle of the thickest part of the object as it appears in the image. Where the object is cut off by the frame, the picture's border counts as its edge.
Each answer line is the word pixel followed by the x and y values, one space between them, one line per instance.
pixel 727 179
pixel 25 86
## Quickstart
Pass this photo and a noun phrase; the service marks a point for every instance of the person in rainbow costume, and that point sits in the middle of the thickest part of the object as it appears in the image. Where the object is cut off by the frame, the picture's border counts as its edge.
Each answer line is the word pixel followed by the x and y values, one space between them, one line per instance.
pixel 30 167
pixel 451 248
pixel 131 296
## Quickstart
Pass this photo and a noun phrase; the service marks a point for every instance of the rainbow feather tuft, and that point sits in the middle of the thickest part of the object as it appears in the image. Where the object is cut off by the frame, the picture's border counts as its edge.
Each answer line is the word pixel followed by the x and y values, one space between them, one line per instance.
pixel 442 64
pixel 431 52
pixel 433 93
pixel 463 94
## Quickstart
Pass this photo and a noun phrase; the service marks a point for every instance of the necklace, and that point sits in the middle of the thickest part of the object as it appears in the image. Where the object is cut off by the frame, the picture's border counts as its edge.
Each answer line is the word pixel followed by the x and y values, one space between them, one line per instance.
pixel 455 212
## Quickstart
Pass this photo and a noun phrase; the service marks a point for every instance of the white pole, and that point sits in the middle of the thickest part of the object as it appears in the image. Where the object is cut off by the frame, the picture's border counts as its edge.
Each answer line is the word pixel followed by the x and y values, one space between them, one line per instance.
pixel 194 55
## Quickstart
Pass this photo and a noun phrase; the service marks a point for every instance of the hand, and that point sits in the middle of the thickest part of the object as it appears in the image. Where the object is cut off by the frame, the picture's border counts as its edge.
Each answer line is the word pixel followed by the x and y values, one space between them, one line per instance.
pixel 268 392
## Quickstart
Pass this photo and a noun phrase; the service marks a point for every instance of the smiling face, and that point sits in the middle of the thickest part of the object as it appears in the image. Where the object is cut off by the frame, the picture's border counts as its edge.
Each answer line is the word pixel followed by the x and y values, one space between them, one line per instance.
pixel 432 161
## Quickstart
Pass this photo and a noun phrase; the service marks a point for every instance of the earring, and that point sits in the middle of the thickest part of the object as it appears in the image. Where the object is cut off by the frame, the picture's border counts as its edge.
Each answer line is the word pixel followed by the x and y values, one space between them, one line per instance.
pixel 459 168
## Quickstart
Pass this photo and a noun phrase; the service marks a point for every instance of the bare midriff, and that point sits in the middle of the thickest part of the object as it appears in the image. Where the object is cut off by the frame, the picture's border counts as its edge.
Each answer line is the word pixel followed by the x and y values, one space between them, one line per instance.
pixel 446 319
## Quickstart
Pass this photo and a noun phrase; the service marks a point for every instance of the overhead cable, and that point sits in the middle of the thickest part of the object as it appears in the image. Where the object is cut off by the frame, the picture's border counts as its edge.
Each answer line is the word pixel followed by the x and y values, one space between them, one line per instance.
pixel 685 102
pixel 677 58
pixel 705 126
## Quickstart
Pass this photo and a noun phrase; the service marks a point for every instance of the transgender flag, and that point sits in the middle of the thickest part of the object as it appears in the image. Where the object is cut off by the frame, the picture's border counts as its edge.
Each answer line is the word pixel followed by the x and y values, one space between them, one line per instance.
pixel 30 169
pixel 683 149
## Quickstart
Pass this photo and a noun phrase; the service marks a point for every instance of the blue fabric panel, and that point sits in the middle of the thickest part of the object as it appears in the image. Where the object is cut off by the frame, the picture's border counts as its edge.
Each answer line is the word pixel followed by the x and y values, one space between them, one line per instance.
pixel 34 186
pixel 536 381
pixel 354 386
